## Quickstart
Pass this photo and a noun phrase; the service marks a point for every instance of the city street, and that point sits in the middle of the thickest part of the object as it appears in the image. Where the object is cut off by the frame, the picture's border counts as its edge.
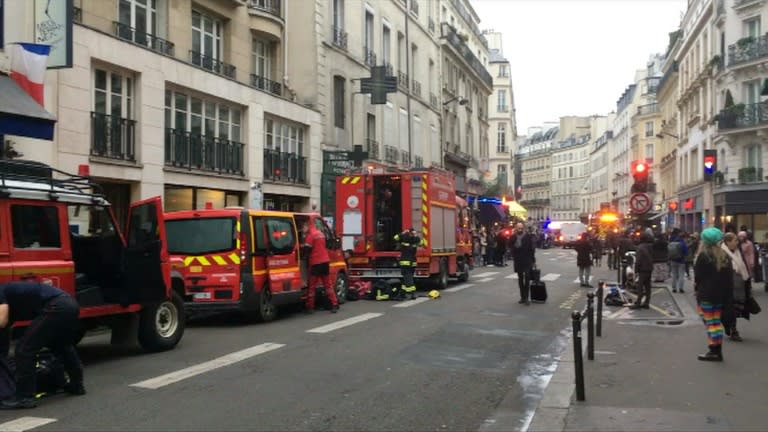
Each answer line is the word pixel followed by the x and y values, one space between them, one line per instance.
pixel 442 364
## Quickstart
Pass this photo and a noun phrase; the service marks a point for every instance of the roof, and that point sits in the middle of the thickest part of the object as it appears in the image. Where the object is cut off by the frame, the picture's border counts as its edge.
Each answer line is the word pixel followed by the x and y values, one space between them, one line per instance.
pixel 21 115
pixel 494 56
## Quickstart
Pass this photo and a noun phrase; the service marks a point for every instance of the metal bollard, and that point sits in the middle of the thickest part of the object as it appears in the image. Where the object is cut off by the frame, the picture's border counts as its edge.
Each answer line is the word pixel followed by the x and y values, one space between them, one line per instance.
pixel 578 360
pixel 600 301
pixel 590 326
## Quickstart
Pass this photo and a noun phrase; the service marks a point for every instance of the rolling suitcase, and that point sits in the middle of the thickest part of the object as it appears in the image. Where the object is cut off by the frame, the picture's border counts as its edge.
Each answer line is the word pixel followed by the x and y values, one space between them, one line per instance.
pixel 538 291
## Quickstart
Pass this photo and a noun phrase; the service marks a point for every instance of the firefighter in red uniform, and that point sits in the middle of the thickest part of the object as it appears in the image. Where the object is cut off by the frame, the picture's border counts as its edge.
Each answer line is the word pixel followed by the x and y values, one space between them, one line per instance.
pixel 319 267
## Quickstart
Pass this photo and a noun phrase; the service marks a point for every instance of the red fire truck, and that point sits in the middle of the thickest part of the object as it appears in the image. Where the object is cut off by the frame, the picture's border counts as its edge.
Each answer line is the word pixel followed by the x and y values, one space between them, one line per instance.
pixel 372 208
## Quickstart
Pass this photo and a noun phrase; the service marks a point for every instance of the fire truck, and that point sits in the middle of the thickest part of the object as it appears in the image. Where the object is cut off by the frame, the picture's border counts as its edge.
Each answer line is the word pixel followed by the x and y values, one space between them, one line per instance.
pixel 371 208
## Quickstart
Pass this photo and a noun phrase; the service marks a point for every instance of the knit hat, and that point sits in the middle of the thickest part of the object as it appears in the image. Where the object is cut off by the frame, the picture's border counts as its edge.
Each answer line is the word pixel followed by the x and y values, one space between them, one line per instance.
pixel 711 236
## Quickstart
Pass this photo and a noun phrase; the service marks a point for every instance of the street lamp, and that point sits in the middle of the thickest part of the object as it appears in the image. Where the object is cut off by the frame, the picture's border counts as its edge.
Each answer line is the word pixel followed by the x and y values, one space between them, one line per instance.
pixel 462 101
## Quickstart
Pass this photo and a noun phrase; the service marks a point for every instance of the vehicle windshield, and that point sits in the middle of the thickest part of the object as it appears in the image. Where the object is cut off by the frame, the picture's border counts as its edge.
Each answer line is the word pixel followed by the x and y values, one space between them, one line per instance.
pixel 200 236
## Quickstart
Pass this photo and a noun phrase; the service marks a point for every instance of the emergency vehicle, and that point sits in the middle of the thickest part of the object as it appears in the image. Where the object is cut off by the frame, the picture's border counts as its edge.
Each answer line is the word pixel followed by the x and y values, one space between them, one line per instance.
pixel 371 208
pixel 237 259
pixel 59 229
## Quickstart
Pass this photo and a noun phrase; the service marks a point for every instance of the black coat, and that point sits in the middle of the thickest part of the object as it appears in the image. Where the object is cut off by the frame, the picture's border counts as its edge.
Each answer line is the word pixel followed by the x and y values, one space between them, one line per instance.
pixel 525 255
pixel 711 285
pixel 583 253
pixel 644 258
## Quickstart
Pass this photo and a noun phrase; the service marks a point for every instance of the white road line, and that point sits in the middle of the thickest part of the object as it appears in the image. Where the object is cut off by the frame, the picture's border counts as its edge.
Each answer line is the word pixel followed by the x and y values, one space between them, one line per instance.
pixel 512 276
pixel 486 274
pixel 344 323
pixel 225 360
pixel 488 279
pixel 550 276
pixel 24 424
pixel 409 303
pixel 577 280
pixel 458 288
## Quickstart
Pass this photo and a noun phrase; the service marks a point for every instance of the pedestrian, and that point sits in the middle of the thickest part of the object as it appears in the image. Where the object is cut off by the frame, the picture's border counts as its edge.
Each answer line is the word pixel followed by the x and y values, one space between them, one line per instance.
pixel 677 251
pixel 319 267
pixel 583 248
pixel 748 253
pixel 713 284
pixel 611 245
pixel 524 257
pixel 597 251
pixel 483 245
pixel 490 255
pixel 54 316
pixel 692 241
pixel 501 248
pixel 644 269
pixel 660 258
pixel 741 287
pixel 409 242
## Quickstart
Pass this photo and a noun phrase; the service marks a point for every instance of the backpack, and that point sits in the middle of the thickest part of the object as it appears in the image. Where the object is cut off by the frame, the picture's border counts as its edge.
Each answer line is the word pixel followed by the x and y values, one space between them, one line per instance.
pixel 674 250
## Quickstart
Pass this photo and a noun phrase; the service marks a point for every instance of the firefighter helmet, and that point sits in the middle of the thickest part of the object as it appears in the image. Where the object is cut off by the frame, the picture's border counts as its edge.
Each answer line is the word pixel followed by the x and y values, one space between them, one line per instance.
pixel 434 294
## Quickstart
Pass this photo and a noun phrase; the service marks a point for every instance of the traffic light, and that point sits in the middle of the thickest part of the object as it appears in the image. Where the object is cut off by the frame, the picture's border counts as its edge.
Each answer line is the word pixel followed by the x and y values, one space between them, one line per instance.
pixel 640 173
pixel 710 164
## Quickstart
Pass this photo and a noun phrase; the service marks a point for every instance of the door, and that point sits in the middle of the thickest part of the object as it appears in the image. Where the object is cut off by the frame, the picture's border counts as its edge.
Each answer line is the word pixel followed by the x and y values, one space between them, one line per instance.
pixel 282 262
pixel 147 270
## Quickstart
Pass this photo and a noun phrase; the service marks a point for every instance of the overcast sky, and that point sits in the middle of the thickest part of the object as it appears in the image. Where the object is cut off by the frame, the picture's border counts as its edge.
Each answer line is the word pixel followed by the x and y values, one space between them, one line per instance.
pixel 576 57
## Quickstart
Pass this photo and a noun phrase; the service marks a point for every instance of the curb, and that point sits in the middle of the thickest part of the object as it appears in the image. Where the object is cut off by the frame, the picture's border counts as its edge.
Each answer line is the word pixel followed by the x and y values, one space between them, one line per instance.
pixel 554 405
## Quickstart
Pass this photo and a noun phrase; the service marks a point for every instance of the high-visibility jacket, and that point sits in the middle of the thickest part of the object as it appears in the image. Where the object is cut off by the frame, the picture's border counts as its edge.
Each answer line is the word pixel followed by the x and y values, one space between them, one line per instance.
pixel 316 242
pixel 408 244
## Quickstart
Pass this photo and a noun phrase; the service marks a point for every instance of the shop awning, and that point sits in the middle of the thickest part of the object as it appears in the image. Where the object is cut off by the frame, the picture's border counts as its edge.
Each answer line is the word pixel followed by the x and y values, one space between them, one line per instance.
pixel 516 209
pixel 21 115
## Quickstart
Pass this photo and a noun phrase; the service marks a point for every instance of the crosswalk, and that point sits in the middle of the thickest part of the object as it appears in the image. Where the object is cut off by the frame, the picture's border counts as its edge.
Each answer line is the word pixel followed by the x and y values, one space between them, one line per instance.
pixel 549 277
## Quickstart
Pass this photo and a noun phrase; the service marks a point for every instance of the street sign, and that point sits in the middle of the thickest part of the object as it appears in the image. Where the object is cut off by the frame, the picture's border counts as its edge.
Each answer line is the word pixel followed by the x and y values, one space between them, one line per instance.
pixel 640 203
pixel 378 85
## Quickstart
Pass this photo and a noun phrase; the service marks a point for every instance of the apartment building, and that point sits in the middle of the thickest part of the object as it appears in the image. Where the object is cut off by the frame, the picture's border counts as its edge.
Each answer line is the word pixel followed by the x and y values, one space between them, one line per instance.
pixel 739 68
pixel 570 168
pixel 501 119
pixel 668 135
pixel 180 99
pixel 598 193
pixel 621 154
pixel 535 158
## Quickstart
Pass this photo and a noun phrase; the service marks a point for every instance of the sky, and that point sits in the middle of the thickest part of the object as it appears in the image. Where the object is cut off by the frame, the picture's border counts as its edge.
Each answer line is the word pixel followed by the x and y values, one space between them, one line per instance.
pixel 576 57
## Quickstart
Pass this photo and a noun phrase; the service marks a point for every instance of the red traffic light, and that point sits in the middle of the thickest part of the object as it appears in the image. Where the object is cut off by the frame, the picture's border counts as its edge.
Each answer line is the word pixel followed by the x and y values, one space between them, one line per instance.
pixel 640 167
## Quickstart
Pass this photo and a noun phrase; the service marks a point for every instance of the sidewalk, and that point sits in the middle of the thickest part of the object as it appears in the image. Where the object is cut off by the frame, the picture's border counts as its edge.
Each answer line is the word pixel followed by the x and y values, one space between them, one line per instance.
pixel 645 377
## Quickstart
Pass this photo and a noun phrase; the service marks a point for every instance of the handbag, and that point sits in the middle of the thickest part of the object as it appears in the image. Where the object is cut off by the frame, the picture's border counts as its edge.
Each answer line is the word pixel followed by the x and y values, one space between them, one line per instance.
pixel 535 275
pixel 739 288
pixel 753 307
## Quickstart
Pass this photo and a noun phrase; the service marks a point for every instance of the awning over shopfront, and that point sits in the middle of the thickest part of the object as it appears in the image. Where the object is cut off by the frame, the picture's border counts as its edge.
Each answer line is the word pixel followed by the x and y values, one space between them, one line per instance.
pixel 21 115
pixel 516 209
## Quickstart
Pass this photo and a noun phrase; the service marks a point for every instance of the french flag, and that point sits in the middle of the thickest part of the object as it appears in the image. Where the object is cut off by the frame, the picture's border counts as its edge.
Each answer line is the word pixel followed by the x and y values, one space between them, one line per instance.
pixel 28 64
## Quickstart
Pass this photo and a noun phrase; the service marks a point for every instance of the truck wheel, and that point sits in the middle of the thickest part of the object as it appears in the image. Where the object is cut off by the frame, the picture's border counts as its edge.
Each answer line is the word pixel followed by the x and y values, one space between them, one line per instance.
pixel 342 287
pixel 442 278
pixel 266 311
pixel 161 324
pixel 464 275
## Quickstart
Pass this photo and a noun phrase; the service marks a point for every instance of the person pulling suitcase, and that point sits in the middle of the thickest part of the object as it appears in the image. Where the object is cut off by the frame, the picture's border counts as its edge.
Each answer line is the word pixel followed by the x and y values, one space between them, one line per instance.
pixel 524 256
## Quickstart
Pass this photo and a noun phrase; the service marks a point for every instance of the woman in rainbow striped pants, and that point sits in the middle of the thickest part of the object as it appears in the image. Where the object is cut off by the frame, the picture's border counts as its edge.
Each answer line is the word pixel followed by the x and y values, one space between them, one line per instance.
pixel 713 282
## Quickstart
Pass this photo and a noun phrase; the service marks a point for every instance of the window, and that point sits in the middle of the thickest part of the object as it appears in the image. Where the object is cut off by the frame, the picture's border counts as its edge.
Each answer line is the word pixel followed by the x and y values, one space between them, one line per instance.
pixel 501 138
pixel 752 92
pixel 385 45
pixel 368 41
pixel 403 127
pixel 649 153
pixel 504 71
pixel 649 129
pixel 113 94
pixel 186 113
pixel 753 158
pixel 35 227
pixel 263 54
pixel 338 101
pixel 752 27
pixel 501 105
pixel 200 236
pixel 501 173
pixel 338 14
pixel 281 234
pixel 206 37
pixel 138 18
pixel 284 137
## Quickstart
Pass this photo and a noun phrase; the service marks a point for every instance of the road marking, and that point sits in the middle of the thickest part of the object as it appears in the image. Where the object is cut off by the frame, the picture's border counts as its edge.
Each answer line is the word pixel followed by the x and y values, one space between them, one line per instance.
pixel 24 424
pixel 577 280
pixel 512 276
pixel 488 279
pixel 225 360
pixel 550 277
pixel 344 323
pixel 458 288
pixel 486 274
pixel 409 303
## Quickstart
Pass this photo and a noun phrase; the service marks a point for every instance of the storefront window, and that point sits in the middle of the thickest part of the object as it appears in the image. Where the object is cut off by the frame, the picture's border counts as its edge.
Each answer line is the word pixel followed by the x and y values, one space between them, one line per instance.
pixel 761 228
pixel 206 196
pixel 177 199
pixel 187 198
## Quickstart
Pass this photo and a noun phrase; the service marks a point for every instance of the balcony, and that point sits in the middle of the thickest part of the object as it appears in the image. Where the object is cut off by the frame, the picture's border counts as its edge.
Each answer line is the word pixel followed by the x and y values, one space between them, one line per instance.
pixel 339 38
pixel 389 69
pixel 271 7
pixel 402 81
pixel 457 156
pixel 373 148
pixel 502 108
pixel 433 100
pixel 405 158
pixel 416 87
pixel 152 42
pixel 418 162
pixel 502 149
pixel 743 116
pixel 266 85
pixel 391 154
pixel 431 25
pixel 212 64
pixel 648 109
pixel 750 175
pixel 197 152
pixel 456 41
pixel 748 49
pixel 113 137
pixel 370 56
pixel 285 167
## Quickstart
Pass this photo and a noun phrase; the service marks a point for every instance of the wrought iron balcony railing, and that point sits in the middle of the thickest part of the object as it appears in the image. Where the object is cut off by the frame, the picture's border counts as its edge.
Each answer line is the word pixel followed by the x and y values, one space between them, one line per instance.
pixel 750 175
pixel 113 137
pixel 648 109
pixel 203 153
pixel 416 87
pixel 405 158
pixel 388 67
pixel 373 148
pixel 212 64
pixel 391 154
pixel 502 108
pixel 267 85
pixel 457 42
pixel 285 167
pixel 402 81
pixel 743 116
pixel 271 7
pixel 418 162
pixel 370 56
pixel 152 42
pixel 748 49
pixel 339 38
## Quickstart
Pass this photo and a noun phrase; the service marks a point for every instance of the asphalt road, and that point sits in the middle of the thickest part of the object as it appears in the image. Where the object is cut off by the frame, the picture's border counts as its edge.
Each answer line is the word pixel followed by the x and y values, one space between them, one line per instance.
pixel 444 364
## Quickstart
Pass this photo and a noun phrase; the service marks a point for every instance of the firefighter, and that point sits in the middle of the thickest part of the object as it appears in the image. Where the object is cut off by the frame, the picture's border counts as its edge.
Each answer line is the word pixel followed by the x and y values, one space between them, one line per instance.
pixel 409 241
pixel 319 267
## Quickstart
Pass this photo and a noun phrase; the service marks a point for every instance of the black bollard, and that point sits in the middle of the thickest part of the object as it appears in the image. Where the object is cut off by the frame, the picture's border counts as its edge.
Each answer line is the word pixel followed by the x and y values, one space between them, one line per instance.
pixel 590 326
pixel 578 360
pixel 600 301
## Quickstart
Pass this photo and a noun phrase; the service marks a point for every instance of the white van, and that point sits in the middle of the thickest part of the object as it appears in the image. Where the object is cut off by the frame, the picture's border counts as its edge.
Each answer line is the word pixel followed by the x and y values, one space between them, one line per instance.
pixel 571 232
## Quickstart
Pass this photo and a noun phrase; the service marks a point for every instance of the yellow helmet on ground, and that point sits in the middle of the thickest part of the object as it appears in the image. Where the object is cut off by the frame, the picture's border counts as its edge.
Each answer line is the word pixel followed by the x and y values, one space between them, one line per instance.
pixel 434 294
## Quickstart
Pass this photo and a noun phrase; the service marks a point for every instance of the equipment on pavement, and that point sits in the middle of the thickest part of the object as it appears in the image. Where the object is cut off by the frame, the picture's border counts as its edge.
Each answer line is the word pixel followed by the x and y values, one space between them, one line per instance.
pixel 434 294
